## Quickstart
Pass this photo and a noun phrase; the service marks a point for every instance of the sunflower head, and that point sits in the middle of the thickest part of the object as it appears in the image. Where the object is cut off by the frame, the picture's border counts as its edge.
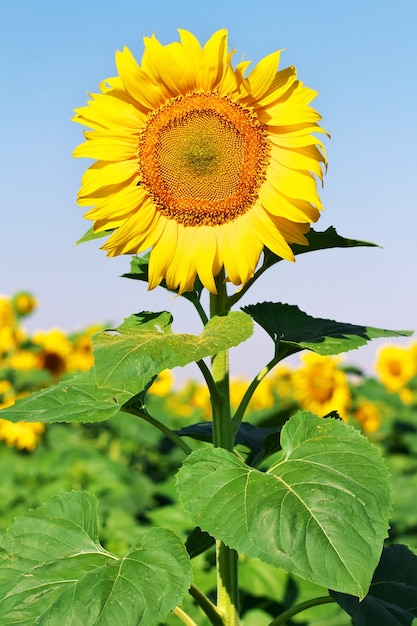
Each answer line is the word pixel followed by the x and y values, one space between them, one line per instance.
pixel 201 161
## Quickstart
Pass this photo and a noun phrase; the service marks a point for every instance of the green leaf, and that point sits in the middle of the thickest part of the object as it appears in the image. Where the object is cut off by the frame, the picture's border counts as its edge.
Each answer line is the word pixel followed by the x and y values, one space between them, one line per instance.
pixel 323 240
pixel 144 345
pixel 126 361
pixel 56 572
pixel 77 399
pixel 91 234
pixel 319 240
pixel 321 512
pixel 391 600
pixel 293 330
pixel 198 542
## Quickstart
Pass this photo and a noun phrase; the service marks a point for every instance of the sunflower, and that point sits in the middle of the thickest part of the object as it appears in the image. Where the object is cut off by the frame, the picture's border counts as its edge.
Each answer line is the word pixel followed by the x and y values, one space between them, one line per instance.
pixel 320 386
pixel 396 366
pixel 201 162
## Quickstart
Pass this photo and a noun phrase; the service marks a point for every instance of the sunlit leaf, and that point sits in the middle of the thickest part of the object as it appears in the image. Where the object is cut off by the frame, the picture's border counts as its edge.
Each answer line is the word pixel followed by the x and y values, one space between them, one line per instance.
pixel 320 512
pixel 77 399
pixel 126 361
pixel 54 571
pixel 144 345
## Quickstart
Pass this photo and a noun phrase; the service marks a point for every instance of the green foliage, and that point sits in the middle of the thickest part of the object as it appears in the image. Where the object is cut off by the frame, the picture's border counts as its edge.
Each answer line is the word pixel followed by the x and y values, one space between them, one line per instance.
pixel 55 568
pixel 392 596
pixel 293 330
pixel 144 345
pixel 300 505
pixel 127 359
pixel 291 515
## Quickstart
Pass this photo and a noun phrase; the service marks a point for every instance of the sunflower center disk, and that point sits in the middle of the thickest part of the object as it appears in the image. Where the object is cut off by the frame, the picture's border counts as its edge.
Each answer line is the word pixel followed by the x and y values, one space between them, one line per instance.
pixel 203 158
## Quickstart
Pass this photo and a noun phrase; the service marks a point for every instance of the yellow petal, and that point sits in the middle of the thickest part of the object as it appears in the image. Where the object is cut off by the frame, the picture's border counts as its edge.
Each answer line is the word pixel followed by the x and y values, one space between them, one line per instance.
pixel 137 83
pixel 110 148
pixel 265 229
pixel 277 204
pixel 293 183
pixel 102 174
pixel 214 60
pixel 261 77
pixel 169 65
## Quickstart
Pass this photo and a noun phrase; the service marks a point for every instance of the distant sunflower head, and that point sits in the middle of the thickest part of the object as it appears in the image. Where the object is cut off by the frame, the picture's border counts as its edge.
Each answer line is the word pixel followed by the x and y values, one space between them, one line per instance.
pixel 200 162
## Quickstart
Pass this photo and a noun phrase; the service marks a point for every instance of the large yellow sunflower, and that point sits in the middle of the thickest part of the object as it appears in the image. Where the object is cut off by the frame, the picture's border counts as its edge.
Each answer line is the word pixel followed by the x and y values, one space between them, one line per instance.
pixel 200 162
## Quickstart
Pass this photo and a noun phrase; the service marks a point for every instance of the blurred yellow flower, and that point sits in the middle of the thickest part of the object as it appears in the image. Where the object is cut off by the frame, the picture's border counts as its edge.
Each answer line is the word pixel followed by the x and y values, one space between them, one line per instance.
pixel 320 386
pixel 396 366
pixel 55 350
pixel 281 381
pixel 7 339
pixel 199 162
pixel 21 435
pixel 23 360
pixel 7 316
pixel 24 303
pixel 368 416
pixel 191 398
pixel 163 383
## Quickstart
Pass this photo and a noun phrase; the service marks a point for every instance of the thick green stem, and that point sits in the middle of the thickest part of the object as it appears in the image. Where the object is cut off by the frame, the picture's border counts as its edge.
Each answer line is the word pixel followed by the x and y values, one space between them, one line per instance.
pixel 223 437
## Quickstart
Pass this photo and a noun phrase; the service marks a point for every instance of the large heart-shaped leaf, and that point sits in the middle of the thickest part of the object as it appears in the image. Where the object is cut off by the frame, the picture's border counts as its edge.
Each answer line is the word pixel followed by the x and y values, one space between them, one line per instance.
pixel 54 570
pixel 320 512
pixel 293 330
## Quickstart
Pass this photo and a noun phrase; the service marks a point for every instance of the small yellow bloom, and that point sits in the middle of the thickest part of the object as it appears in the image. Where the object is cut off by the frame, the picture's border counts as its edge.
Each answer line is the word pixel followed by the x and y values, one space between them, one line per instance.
pixel 7 339
pixel 282 382
pixel 163 383
pixel 24 360
pixel 7 316
pixel 368 416
pixel 396 366
pixel 200 162
pixel 320 386
pixel 24 303
pixel 55 350
pixel 21 435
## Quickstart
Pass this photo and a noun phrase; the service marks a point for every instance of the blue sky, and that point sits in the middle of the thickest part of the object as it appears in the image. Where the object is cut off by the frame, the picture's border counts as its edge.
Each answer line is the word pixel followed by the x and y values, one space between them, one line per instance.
pixel 360 56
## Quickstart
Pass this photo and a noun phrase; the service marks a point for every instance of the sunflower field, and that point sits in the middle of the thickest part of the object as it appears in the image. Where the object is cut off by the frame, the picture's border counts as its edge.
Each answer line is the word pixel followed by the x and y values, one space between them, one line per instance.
pixel 129 466
pixel 129 499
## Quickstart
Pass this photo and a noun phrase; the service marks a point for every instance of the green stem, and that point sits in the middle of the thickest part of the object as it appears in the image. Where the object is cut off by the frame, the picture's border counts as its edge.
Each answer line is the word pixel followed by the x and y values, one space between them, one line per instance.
pixel 182 615
pixel 240 411
pixel 206 605
pixel 201 312
pixel 223 437
pixel 142 413
pixel 303 606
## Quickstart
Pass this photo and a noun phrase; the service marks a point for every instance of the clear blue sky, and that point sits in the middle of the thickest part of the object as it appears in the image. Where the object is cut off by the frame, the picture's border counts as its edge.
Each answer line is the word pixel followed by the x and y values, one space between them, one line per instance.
pixel 360 56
